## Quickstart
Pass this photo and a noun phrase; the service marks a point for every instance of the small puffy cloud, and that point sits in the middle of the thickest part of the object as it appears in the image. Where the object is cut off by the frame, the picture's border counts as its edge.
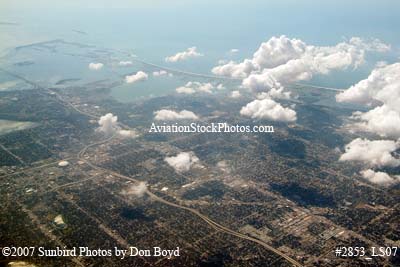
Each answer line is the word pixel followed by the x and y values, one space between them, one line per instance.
pixel 127 133
pixel 204 87
pixel 377 153
pixel 185 90
pixel 381 91
pixel 183 161
pixel 277 51
pixel 125 63
pixel 194 87
pixel 233 50
pixel 170 115
pixel 108 125
pixel 380 178
pixel 235 94
pixel 235 70
pixel 268 109
pixel 96 66
pixel 191 52
pixel 139 76
pixel 275 93
pixel 160 73
pixel 137 190
pixel 220 86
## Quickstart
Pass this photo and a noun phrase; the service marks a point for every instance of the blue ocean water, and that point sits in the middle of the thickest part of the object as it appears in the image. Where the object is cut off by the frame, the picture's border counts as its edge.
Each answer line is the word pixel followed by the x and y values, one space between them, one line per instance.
pixel 162 28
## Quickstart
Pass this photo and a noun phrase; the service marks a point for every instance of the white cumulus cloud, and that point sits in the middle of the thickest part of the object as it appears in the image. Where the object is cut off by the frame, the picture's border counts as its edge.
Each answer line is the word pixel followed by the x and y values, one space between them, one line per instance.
pixel 139 76
pixel 235 94
pixel 95 66
pixel 377 153
pixel 170 115
pixel 125 63
pixel 268 109
pixel 160 73
pixel 381 91
pixel 195 87
pixel 220 87
pixel 380 178
pixel 137 190
pixel 108 124
pixel 283 60
pixel 191 52
pixel 275 93
pixel 127 133
pixel 277 51
pixel 234 69
pixel 185 90
pixel 183 161
pixel 379 86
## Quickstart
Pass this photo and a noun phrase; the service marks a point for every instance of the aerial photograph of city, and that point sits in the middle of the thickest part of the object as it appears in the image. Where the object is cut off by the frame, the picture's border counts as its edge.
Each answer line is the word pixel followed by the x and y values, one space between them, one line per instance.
pixel 199 133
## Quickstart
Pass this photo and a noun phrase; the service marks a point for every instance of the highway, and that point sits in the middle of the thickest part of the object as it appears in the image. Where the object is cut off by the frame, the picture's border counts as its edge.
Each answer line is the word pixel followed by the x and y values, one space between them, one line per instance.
pixel 321 87
pixel 201 75
pixel 210 222
pixel 224 229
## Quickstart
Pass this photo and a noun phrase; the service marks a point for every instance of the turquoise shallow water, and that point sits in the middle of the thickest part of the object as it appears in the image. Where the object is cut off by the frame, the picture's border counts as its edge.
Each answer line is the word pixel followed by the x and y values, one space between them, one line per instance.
pixel 7 126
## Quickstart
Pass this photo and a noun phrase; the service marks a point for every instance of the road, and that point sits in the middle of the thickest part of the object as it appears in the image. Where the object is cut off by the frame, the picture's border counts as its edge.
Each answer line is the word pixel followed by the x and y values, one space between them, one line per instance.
pixel 321 87
pixel 34 168
pixel 210 222
pixel 47 232
pixel 201 75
